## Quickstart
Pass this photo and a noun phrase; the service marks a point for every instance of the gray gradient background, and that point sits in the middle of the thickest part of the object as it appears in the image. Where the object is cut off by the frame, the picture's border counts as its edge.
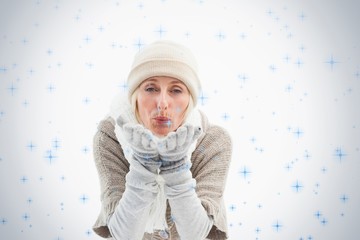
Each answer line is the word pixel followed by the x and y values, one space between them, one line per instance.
pixel 269 70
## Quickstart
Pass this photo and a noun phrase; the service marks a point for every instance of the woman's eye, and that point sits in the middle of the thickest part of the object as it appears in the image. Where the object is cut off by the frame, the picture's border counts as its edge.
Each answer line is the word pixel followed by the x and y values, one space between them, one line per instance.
pixel 150 89
pixel 176 90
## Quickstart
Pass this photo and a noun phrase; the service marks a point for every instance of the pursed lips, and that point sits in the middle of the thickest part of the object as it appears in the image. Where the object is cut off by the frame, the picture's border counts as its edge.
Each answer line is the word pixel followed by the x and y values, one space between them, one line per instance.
pixel 162 120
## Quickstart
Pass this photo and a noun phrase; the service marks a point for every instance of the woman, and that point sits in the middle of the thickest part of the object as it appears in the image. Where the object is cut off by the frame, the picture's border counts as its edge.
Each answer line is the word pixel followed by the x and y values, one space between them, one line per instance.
pixel 162 166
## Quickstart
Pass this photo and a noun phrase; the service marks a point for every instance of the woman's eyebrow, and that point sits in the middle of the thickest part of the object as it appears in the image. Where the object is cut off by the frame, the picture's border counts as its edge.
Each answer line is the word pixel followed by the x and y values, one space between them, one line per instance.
pixel 151 80
pixel 154 80
pixel 177 82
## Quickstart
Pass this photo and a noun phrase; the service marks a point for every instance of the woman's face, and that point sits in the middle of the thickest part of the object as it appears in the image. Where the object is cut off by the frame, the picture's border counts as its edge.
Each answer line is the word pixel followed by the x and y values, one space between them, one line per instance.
pixel 162 102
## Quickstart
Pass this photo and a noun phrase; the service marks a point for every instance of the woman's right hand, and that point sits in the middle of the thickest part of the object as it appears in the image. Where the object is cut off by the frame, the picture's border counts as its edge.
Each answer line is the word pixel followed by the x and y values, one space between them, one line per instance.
pixel 143 145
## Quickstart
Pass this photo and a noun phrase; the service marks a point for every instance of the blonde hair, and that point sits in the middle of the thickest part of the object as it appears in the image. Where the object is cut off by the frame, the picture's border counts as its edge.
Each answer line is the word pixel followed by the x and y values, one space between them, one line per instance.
pixel 134 105
pixel 135 108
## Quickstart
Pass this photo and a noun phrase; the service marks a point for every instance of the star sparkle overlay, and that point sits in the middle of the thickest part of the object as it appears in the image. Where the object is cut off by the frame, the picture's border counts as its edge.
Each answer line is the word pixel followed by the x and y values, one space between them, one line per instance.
pixel 282 78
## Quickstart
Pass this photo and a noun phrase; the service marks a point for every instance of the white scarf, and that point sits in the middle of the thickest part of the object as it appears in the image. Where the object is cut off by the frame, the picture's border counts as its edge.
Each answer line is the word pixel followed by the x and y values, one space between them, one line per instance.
pixel 121 106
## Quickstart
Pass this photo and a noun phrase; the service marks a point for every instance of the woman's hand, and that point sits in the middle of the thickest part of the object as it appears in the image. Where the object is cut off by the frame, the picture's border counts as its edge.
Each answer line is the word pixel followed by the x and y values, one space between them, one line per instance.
pixel 173 149
pixel 143 145
pixel 190 217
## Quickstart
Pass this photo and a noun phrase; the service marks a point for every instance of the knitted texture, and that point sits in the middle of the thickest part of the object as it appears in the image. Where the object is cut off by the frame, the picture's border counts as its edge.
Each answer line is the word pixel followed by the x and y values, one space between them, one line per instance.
pixel 210 164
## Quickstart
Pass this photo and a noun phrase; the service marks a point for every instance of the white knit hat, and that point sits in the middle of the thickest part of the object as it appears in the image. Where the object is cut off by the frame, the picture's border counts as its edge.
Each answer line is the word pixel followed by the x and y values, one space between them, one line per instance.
pixel 165 58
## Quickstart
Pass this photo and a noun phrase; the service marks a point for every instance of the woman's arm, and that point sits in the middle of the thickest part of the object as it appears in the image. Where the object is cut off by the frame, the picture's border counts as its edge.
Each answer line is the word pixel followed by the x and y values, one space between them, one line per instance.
pixel 112 168
pixel 131 214
pixel 210 167
pixel 126 194
pixel 190 217
pixel 197 196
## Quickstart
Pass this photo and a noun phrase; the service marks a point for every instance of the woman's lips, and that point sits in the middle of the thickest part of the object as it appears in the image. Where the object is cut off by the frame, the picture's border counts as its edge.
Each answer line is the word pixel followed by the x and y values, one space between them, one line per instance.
pixel 162 120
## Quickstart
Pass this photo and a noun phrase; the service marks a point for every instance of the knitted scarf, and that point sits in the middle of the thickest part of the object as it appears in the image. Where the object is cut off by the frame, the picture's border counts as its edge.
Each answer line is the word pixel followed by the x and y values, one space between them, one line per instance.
pixel 121 106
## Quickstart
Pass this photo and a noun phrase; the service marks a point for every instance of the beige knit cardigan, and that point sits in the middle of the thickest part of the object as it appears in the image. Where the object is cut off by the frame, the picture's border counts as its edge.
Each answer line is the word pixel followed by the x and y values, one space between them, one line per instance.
pixel 210 165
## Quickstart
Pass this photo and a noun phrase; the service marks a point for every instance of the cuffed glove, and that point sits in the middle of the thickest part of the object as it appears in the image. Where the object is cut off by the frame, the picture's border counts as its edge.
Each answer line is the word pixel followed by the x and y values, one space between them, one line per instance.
pixel 174 148
pixel 190 217
pixel 143 144
pixel 129 219
pixel 130 216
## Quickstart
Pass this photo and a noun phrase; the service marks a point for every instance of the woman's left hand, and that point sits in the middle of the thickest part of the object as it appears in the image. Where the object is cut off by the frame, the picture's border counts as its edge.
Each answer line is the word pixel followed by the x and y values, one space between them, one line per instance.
pixel 173 149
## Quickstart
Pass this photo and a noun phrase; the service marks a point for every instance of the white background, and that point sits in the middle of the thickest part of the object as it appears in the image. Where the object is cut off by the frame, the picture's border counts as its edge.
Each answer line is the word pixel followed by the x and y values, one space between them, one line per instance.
pixel 283 77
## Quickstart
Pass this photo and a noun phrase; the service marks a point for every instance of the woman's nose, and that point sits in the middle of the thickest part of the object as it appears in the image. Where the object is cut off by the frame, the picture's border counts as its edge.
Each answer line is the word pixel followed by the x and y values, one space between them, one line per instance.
pixel 162 102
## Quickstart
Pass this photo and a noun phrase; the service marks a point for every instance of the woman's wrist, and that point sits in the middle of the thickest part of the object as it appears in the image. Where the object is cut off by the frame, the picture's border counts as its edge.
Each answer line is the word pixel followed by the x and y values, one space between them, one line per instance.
pixel 179 181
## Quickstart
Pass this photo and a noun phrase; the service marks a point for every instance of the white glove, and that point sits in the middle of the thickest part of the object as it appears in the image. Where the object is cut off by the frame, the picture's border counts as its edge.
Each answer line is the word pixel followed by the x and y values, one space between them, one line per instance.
pixel 190 217
pixel 143 144
pixel 130 216
pixel 173 149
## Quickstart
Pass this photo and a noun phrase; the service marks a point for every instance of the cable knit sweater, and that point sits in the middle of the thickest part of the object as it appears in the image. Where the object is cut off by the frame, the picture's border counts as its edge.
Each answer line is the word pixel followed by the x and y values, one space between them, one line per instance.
pixel 210 164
